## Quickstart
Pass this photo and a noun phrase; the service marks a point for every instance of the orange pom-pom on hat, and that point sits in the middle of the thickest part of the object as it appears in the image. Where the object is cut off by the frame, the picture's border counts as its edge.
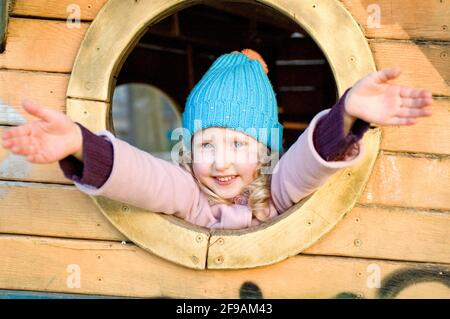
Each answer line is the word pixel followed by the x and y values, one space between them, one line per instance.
pixel 256 56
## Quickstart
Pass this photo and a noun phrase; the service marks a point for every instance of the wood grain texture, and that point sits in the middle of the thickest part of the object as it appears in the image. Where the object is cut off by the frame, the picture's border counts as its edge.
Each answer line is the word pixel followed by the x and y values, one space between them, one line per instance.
pixel 17 168
pixel 41 45
pixel 55 47
pixel 58 9
pixel 366 231
pixel 423 65
pixel 45 89
pixel 429 135
pixel 407 181
pixel 37 209
pixel 106 268
pixel 399 19
pixel 389 233
pixel 165 236
pixel 402 19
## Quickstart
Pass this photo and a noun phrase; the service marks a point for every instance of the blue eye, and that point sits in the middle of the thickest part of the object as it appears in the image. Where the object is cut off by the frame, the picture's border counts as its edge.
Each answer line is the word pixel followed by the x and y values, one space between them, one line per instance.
pixel 238 144
pixel 206 145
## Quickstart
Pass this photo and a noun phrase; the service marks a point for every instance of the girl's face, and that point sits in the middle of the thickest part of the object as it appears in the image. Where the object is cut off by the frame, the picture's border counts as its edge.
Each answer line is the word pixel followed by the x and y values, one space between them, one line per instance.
pixel 224 160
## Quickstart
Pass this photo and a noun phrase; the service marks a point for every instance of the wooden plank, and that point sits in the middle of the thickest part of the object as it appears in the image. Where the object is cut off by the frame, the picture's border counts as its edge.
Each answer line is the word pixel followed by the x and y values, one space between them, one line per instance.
pixel 17 168
pixel 389 233
pixel 105 268
pixel 36 209
pixel 59 9
pixel 429 135
pixel 409 181
pixel 41 45
pixel 410 234
pixel 402 19
pixel 155 233
pixel 46 89
pixel 55 46
pixel 423 65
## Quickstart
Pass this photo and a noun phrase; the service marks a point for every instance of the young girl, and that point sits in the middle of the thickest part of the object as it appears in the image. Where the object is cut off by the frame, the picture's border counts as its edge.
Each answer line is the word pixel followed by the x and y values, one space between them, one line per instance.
pixel 231 126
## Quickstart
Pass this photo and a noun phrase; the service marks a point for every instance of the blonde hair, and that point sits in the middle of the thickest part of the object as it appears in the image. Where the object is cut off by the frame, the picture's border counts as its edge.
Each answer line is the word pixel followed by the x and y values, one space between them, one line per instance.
pixel 258 191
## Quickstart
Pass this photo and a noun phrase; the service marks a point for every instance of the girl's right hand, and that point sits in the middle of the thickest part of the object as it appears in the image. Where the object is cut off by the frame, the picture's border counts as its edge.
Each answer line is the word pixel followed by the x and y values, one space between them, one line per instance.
pixel 375 100
pixel 47 140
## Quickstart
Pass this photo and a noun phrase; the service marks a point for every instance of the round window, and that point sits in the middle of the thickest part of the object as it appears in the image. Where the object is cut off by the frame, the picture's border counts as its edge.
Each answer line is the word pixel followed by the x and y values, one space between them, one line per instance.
pixel 93 78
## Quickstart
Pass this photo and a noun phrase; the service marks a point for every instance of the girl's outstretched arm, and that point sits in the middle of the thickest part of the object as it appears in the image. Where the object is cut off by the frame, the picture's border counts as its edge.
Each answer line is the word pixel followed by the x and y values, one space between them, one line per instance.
pixel 304 167
pixel 374 100
pixel 53 137
pixel 136 178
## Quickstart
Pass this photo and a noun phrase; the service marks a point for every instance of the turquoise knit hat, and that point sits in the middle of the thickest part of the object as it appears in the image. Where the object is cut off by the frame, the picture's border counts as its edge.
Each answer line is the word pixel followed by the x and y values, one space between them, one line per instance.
pixel 235 93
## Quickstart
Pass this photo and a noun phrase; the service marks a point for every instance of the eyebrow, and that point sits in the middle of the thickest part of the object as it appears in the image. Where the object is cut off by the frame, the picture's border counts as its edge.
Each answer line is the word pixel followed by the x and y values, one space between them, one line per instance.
pixel 236 137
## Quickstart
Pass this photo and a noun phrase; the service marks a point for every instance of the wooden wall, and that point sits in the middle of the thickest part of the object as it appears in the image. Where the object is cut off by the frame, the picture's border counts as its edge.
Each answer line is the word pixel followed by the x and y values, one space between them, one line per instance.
pixel 398 230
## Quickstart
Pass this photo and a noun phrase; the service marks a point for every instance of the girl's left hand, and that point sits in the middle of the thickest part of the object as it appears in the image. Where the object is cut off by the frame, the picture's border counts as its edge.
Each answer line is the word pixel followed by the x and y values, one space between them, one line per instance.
pixel 374 100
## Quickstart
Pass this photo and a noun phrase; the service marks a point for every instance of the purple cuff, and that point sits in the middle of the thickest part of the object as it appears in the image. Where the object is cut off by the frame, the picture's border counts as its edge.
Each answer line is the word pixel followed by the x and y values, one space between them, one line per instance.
pixel 329 138
pixel 98 158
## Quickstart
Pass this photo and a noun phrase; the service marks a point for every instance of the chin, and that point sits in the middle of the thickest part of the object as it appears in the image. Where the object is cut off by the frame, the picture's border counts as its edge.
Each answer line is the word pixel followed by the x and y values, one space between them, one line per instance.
pixel 227 195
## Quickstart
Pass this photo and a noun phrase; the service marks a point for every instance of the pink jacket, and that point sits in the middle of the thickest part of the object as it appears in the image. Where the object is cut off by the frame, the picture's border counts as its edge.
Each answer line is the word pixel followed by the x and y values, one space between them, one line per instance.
pixel 142 180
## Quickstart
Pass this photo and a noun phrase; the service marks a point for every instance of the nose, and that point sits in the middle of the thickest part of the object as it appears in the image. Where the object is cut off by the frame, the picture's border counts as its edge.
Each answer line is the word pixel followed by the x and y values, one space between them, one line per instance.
pixel 223 159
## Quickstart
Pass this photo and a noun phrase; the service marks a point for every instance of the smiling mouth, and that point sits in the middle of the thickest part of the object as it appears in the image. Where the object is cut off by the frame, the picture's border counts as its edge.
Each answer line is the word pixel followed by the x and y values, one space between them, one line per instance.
pixel 225 180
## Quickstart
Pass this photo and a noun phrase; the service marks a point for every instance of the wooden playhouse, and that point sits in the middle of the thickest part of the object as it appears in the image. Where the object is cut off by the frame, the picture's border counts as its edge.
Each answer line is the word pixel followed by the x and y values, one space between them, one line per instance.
pixel 378 230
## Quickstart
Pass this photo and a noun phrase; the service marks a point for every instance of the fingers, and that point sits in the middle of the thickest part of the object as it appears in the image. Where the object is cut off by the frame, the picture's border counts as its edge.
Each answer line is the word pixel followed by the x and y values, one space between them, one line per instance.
pixel 22 145
pixel 26 146
pixel 22 141
pixel 23 130
pixel 387 74
pixel 409 92
pixel 402 121
pixel 38 111
pixel 415 102
pixel 413 112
